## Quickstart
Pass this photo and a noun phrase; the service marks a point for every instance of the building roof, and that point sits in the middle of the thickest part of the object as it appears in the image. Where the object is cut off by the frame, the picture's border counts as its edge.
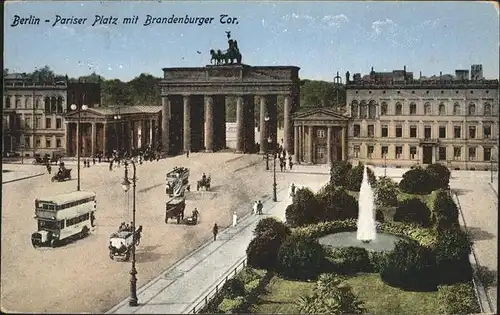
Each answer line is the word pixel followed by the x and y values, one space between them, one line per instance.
pixel 123 110
pixel 320 113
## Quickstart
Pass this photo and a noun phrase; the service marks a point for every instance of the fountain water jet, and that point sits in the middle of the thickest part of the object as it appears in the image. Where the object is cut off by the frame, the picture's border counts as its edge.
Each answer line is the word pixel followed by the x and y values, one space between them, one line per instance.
pixel 367 230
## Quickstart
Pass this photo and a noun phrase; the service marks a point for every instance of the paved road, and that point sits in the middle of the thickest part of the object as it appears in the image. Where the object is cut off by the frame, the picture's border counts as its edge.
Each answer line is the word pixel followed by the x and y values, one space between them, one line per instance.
pixel 177 290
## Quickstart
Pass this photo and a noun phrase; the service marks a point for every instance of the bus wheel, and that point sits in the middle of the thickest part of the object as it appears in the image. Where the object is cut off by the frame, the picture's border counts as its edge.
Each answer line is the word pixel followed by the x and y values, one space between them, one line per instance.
pixel 85 232
pixel 53 243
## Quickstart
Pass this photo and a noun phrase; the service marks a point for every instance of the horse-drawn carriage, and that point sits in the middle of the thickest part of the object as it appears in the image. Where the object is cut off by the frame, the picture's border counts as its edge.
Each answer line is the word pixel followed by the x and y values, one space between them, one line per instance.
pixel 204 182
pixel 174 209
pixel 121 242
pixel 41 161
pixel 62 175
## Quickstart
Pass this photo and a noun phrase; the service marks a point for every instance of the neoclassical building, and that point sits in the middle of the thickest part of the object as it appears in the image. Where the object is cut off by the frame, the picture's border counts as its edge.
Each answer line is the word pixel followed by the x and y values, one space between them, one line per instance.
pixel 397 120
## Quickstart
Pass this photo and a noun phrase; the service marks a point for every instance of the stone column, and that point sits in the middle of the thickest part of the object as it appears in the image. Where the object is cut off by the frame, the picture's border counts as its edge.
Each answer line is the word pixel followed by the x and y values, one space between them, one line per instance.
pixel 296 144
pixel 329 146
pixel 209 124
pixel 187 124
pixel 104 138
pixel 342 139
pixel 263 128
pixel 287 124
pixel 93 140
pixel 240 125
pixel 165 124
pixel 310 145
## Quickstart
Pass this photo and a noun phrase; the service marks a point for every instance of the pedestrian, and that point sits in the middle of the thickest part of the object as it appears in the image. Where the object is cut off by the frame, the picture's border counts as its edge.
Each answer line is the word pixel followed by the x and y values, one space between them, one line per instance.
pixel 93 160
pixel 48 168
pixel 111 165
pixel 158 157
pixel 291 164
pixel 254 208
pixel 187 153
pixel 259 207
pixel 281 165
pixel 99 157
pixel 235 219
pixel 140 160
pixel 215 231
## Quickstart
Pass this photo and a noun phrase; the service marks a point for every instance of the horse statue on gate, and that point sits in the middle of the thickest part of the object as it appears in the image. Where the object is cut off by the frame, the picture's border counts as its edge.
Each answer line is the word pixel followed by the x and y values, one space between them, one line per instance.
pixel 231 56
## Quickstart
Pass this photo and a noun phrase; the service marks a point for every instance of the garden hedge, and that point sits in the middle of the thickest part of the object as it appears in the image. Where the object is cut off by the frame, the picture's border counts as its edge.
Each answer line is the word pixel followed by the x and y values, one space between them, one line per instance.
pixel 458 299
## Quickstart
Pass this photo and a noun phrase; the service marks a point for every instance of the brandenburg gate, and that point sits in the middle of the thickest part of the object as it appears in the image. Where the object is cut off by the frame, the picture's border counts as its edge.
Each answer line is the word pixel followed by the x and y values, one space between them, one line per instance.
pixel 193 104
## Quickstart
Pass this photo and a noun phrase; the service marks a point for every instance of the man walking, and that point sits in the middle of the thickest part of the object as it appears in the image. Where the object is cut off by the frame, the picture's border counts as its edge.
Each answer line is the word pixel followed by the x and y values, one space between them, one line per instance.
pixel 215 231
pixel 111 165
pixel 259 207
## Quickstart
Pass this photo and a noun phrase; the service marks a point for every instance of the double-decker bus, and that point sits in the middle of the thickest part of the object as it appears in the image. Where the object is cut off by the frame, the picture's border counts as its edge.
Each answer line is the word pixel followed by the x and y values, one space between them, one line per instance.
pixel 64 216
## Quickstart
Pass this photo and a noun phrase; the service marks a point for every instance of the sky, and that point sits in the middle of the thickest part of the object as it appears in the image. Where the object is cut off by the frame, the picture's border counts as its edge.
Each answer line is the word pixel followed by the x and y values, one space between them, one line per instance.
pixel 319 37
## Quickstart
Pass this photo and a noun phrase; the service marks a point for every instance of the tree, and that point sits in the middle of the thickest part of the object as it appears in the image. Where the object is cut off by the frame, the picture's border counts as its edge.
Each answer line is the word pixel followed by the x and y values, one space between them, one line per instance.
pixel 300 258
pixel 272 228
pixel 416 181
pixel 339 172
pixel 145 90
pixel 452 256
pixel 355 177
pixel 337 204
pixel 386 192
pixel 440 176
pixel 413 211
pixel 445 214
pixel 304 210
pixel 44 74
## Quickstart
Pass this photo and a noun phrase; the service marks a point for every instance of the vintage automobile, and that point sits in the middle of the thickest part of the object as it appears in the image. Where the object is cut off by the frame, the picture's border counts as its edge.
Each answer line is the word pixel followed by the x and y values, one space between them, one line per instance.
pixel 62 175
pixel 204 183
pixel 120 243
pixel 174 209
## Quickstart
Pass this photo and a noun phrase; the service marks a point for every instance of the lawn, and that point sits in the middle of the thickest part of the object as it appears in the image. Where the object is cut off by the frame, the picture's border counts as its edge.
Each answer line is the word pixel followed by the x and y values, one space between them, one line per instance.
pixel 379 298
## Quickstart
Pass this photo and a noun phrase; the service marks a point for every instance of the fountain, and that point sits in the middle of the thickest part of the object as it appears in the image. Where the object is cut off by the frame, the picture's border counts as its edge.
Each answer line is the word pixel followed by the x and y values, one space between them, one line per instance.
pixel 367 231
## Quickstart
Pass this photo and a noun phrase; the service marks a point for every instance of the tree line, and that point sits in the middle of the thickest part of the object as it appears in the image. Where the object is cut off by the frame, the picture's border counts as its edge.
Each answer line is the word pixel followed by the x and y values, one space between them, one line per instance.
pixel 145 90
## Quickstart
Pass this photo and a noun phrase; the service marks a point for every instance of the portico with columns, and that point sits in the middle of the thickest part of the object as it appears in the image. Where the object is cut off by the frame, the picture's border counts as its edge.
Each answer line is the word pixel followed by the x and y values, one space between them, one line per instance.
pixel 194 106
pixel 104 129
pixel 320 136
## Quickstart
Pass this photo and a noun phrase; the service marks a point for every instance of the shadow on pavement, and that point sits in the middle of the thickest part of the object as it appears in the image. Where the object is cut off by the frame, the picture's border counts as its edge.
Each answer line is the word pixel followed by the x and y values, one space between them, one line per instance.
pixel 147 254
pixel 477 234
pixel 461 191
pixel 150 187
pixel 487 276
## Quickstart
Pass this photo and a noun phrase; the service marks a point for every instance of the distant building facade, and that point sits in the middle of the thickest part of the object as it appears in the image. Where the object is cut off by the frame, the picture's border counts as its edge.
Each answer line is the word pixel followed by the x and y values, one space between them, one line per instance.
pixel 400 121
pixel 34 113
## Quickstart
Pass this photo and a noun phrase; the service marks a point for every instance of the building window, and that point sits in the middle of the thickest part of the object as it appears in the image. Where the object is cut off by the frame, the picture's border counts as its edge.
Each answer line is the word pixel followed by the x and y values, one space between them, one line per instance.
pixel 442 132
pixel 363 111
pixel 385 151
pixel 384 131
pixel 370 152
pixel 413 153
pixel 442 154
pixel 413 109
pixel 38 122
pixel 320 152
pixel 48 123
pixel 18 102
pixel 357 130
pixel 456 109
pixel 413 131
pixel 427 132
pixel 486 131
pixel 427 108
pixel 457 132
pixel 399 109
pixel 26 102
pixel 27 122
pixel 383 109
pixel 457 153
pixel 399 152
pixel 472 132
pixel 37 102
pixel 354 109
pixel 60 104
pixel 7 102
pixel 442 109
pixel 38 142
pixel 356 151
pixel 47 104
pixel 472 154
pixel 48 143
pixel 472 109
pixel 27 142
pixel 371 131
pixel 399 131
pixel 487 154
pixel 487 109
pixel 58 143
pixel 372 111
pixel 58 123
pixel 320 133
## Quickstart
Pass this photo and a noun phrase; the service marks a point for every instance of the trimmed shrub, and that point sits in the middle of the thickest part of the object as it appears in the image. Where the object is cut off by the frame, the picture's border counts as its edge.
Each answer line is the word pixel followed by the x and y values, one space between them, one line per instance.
pixel 452 256
pixel 457 299
pixel 355 177
pixel 231 306
pixel 304 210
pixel 348 260
pixel 337 204
pixel 235 287
pixel 272 227
pixel 413 211
pixel 339 172
pixel 300 258
pixel 445 211
pixel 325 228
pixel 416 181
pixel 379 216
pixel 440 176
pixel 262 252
pixel 377 260
pixel 249 274
pixel 410 266
pixel 423 236
pixel 386 192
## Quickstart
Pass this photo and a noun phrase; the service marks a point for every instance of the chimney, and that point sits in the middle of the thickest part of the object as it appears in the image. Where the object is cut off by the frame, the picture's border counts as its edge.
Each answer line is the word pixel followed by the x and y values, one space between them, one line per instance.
pixel 404 68
pixel 420 75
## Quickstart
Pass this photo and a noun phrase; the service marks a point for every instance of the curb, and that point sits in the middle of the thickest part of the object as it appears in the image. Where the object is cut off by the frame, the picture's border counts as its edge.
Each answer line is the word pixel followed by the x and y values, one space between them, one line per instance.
pixel 481 294
pixel 22 178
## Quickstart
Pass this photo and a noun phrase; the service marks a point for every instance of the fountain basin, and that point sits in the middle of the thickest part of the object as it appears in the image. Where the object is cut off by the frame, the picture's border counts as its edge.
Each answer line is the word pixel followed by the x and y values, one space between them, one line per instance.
pixel 383 242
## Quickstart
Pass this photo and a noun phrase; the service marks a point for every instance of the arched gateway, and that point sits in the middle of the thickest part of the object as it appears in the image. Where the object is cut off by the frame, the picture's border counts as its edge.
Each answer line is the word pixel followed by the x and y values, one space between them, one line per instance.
pixel 193 103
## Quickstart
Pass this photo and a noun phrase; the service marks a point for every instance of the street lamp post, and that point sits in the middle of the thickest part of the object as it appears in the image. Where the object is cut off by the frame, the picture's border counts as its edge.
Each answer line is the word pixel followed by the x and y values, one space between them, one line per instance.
pixel 74 107
pixel 266 119
pixel 133 301
pixel 275 198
